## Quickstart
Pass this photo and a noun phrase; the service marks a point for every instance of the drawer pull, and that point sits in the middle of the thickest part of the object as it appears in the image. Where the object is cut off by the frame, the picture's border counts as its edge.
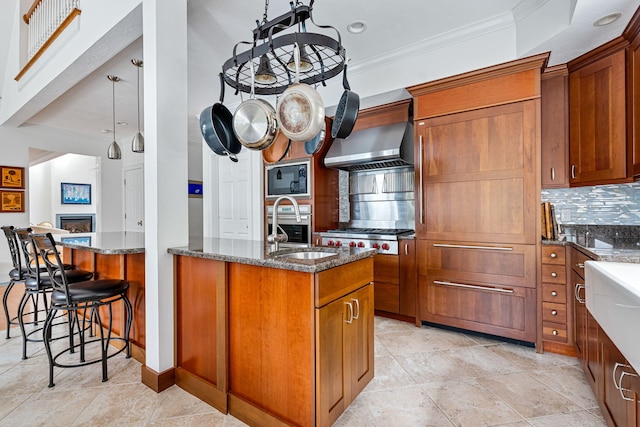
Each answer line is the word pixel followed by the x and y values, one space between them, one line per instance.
pixel 553 255
pixel 482 288
pixel 579 264
pixel 554 312
pixel 491 248
pixel 554 294
pixel 554 332
pixel 554 274
pixel 618 383
pixel 579 286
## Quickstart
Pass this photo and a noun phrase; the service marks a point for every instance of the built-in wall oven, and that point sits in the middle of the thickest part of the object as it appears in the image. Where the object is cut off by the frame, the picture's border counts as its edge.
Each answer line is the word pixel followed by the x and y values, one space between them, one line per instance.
pixel 288 179
pixel 299 233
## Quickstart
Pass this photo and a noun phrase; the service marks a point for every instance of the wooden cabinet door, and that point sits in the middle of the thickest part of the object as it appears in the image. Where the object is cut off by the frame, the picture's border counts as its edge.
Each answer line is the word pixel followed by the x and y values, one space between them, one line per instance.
pixel 594 353
pixel 598 121
pixel 359 349
pixel 633 97
pixel 408 278
pixel 477 175
pixel 554 120
pixel 386 278
pixel 614 406
pixel 580 316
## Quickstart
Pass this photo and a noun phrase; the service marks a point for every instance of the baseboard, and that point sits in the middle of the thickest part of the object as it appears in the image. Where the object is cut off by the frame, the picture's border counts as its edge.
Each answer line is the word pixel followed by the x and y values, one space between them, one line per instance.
pixel 157 381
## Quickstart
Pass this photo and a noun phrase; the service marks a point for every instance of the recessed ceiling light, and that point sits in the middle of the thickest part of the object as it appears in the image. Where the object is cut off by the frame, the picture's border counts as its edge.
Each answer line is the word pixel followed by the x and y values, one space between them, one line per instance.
pixel 357 27
pixel 123 123
pixel 607 19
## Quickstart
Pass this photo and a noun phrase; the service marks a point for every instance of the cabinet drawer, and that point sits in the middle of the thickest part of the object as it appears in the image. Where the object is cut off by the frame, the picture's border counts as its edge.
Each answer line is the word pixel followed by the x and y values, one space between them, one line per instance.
pixel 386 297
pixel 554 332
pixel 491 264
pixel 554 274
pixel 386 268
pixel 552 254
pixel 577 262
pixel 554 312
pixel 554 293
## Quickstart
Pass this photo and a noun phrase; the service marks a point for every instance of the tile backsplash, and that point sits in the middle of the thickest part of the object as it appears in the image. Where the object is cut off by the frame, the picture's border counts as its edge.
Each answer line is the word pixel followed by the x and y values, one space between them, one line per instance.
pixel 615 204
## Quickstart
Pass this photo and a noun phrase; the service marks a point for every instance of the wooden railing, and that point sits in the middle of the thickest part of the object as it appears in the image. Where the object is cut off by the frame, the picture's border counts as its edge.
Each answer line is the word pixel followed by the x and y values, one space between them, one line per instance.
pixel 46 19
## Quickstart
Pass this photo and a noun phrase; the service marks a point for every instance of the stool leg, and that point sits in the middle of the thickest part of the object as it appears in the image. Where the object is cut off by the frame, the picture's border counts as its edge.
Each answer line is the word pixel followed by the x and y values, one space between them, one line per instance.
pixel 46 337
pixel 129 321
pixel 21 306
pixel 5 297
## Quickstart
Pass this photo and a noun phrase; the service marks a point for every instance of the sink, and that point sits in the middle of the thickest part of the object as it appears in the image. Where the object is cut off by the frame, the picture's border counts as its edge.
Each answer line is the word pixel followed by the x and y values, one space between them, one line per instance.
pixel 307 257
pixel 613 298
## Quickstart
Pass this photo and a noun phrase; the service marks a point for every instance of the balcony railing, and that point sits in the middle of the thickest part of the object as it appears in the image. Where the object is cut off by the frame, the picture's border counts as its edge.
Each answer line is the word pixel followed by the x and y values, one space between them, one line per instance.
pixel 46 19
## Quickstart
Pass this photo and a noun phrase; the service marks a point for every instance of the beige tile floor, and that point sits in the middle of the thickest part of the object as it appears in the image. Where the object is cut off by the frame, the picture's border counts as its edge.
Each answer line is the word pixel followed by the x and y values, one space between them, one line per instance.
pixel 423 377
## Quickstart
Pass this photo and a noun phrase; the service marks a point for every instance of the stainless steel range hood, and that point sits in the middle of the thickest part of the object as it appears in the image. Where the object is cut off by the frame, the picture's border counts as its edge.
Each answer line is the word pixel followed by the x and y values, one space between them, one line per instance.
pixel 373 148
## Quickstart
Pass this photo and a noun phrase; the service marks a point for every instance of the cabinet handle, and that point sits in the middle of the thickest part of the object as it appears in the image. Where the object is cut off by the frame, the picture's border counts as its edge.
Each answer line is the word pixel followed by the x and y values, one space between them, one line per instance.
pixel 482 288
pixel 350 318
pixel 553 255
pixel 554 312
pixel 357 311
pixel 554 274
pixel 553 174
pixel 491 248
pixel 406 249
pixel 578 287
pixel 573 171
pixel 554 294
pixel 621 388
pixel 420 196
pixel 579 264
pixel 554 332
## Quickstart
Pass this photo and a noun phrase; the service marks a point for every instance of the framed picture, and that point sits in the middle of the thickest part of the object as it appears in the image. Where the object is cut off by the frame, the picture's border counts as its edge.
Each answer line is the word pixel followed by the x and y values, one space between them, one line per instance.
pixel 11 201
pixel 195 189
pixel 12 177
pixel 75 194
pixel 80 240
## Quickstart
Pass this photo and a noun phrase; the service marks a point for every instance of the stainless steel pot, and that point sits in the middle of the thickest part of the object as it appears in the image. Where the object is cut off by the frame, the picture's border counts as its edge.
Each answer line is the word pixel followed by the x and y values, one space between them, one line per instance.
pixel 301 109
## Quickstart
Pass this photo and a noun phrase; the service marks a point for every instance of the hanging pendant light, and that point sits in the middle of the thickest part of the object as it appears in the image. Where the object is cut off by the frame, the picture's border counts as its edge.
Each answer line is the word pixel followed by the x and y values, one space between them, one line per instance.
pixel 265 74
pixel 137 145
pixel 113 152
pixel 305 64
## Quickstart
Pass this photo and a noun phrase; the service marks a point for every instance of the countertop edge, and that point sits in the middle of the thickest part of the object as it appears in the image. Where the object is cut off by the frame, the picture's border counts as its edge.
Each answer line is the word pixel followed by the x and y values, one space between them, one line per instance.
pixel 609 255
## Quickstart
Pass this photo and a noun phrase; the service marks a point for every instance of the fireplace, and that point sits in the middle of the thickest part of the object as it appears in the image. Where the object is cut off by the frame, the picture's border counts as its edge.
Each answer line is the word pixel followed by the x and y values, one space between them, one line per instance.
pixel 76 223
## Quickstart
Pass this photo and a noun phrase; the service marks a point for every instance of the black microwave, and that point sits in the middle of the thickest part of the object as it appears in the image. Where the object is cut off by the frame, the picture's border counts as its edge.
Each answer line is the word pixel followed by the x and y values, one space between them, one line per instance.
pixel 290 179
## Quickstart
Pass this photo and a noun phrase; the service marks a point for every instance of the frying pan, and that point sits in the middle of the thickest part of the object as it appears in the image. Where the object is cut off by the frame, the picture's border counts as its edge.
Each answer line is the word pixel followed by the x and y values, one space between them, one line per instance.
pixel 301 110
pixel 347 111
pixel 314 145
pixel 278 150
pixel 216 125
pixel 254 121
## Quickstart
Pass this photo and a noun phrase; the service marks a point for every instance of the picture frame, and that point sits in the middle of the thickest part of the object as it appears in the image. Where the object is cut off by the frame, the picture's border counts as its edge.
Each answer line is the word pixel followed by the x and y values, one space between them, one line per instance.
pixel 77 240
pixel 11 201
pixel 11 177
pixel 195 189
pixel 75 194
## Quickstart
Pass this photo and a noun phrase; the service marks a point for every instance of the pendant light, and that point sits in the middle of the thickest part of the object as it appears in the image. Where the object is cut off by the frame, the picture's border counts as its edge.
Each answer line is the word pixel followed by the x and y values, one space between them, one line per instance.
pixel 265 74
pixel 137 145
pixel 113 152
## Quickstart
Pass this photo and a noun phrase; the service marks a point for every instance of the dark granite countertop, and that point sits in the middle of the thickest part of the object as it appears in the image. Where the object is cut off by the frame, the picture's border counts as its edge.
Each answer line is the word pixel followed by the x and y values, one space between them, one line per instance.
pixel 107 243
pixel 258 253
pixel 614 243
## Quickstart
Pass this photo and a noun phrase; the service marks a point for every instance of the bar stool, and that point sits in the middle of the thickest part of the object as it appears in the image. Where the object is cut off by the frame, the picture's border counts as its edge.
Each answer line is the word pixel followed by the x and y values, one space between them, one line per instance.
pixel 82 301
pixel 38 283
pixel 16 274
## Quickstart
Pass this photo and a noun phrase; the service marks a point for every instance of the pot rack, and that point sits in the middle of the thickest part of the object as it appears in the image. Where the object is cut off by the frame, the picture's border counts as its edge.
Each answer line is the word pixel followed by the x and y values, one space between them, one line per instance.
pixel 326 54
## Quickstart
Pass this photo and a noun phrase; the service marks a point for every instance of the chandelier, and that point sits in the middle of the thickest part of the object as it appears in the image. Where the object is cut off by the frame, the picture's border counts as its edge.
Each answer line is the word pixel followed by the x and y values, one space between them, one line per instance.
pixel 321 57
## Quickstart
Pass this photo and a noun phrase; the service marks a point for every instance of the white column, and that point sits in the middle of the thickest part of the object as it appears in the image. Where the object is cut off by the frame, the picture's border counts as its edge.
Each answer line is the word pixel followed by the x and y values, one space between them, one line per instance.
pixel 165 170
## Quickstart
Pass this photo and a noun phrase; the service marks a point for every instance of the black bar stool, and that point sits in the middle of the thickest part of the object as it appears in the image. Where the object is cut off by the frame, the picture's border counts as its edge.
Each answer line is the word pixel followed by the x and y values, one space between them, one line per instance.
pixel 82 301
pixel 16 274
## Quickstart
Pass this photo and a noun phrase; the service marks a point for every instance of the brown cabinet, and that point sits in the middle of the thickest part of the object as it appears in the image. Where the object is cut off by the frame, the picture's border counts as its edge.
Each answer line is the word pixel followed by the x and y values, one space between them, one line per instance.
pixel 386 279
pixel 557 315
pixel 554 131
pixel 345 349
pixel 598 139
pixel 633 96
pixel 408 278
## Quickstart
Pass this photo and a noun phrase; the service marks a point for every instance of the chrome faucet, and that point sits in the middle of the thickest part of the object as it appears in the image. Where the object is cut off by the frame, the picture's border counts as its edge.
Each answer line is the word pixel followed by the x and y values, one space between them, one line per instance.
pixel 274 237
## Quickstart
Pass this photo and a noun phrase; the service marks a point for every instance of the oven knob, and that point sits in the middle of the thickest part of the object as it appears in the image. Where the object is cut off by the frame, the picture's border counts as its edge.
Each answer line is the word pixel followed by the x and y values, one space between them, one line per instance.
pixel 338 243
pixel 385 246
pixel 375 246
pixel 330 243
pixel 361 244
pixel 352 244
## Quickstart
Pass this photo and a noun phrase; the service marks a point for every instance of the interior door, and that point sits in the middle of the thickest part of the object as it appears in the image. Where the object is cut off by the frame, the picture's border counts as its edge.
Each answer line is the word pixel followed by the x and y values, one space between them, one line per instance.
pixel 134 199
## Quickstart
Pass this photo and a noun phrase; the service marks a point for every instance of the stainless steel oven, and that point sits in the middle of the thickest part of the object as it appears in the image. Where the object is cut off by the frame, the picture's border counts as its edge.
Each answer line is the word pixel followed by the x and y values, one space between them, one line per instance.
pixel 288 179
pixel 299 232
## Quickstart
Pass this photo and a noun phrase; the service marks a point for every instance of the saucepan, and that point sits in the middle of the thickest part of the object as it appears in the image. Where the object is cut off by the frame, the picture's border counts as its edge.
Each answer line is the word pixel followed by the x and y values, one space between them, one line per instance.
pixel 301 109
pixel 216 125
pixel 315 144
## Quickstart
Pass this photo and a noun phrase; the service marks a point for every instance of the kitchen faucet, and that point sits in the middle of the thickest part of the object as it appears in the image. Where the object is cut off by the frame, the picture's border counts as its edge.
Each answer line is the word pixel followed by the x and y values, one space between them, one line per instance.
pixel 274 237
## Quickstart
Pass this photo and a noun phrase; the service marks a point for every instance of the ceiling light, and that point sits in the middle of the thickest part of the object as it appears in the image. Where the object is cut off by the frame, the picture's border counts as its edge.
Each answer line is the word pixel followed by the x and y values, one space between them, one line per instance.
pixel 607 19
pixel 357 27
pixel 265 74
pixel 305 64
pixel 137 144
pixel 113 152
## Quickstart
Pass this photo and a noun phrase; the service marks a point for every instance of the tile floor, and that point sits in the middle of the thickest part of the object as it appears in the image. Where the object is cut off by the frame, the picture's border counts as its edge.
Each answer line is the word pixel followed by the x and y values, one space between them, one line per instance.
pixel 424 377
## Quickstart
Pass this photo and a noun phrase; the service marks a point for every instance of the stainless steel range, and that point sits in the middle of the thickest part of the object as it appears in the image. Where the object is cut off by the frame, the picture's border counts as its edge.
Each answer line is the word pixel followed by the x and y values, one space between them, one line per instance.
pixel 384 240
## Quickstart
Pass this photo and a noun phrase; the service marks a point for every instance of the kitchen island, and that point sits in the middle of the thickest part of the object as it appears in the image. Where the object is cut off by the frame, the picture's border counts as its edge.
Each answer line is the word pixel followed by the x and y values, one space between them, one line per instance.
pixel 273 338
pixel 114 255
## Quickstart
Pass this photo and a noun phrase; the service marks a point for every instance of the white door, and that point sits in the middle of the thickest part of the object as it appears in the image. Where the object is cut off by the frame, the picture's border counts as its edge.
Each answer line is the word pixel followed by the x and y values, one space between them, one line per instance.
pixel 234 197
pixel 134 199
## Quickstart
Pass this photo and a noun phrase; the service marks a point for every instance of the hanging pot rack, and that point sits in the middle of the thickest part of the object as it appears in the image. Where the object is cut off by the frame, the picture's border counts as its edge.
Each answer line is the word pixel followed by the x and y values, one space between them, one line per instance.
pixel 326 54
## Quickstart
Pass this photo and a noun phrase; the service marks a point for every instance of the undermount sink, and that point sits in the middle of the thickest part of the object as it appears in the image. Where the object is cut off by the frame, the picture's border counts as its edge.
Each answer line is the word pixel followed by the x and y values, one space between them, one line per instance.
pixel 613 298
pixel 305 256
